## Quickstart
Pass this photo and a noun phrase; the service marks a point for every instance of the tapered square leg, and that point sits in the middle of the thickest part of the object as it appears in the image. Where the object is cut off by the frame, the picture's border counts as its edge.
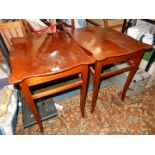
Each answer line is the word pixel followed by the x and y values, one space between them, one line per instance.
pixel 31 104
pixel 84 76
pixel 98 69
pixel 136 61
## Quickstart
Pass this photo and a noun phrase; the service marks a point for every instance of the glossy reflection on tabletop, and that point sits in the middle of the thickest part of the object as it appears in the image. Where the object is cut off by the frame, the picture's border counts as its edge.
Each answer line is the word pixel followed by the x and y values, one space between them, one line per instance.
pixel 43 55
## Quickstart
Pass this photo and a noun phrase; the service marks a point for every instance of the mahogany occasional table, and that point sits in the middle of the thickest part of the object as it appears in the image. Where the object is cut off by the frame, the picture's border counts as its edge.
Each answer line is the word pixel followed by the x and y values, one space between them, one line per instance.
pixel 46 58
pixel 108 46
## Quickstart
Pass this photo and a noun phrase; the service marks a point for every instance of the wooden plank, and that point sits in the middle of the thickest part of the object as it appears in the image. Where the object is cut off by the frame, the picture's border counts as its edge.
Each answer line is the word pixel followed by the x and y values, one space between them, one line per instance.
pixel 12 25
pixel 56 90
pixel 17 33
pixel 115 72
pixel 10 32
pixel 5 39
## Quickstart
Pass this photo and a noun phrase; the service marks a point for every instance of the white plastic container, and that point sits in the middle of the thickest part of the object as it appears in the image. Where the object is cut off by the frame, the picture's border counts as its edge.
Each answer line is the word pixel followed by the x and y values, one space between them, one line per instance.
pixel 152 73
pixel 138 83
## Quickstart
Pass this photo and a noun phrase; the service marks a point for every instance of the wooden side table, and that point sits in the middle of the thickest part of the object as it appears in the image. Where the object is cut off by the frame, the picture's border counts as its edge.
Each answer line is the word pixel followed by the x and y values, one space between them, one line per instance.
pixel 108 46
pixel 49 57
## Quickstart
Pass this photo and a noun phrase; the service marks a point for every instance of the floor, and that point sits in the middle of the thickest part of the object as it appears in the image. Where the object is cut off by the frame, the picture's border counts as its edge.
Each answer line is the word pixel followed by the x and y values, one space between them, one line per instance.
pixel 134 116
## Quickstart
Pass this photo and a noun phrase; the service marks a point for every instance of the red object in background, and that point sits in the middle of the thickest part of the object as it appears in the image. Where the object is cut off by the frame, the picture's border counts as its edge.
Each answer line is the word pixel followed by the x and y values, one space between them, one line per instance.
pixel 50 29
pixel 40 27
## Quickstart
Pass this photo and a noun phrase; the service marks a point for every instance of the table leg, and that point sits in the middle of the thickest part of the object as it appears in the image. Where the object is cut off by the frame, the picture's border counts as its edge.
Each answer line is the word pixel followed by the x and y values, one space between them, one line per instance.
pixel 98 69
pixel 27 94
pixel 84 76
pixel 136 62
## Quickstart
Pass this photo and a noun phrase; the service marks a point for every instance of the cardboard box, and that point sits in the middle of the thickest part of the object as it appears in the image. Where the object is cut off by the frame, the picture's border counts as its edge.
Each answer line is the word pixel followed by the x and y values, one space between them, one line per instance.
pixel 9 119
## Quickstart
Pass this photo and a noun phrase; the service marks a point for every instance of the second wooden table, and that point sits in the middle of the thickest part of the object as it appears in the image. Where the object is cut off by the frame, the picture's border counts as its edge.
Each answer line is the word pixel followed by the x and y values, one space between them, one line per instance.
pixel 108 46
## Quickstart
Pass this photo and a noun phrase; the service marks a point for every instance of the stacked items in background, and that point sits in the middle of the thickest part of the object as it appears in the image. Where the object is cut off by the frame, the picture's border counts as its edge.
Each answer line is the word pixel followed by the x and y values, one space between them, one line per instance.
pixel 9 117
pixel 144 32
pixel 8 105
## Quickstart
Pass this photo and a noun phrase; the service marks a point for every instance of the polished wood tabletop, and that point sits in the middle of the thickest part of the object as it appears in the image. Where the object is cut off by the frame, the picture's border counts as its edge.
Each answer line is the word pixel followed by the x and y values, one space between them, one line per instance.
pixel 106 42
pixel 45 55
